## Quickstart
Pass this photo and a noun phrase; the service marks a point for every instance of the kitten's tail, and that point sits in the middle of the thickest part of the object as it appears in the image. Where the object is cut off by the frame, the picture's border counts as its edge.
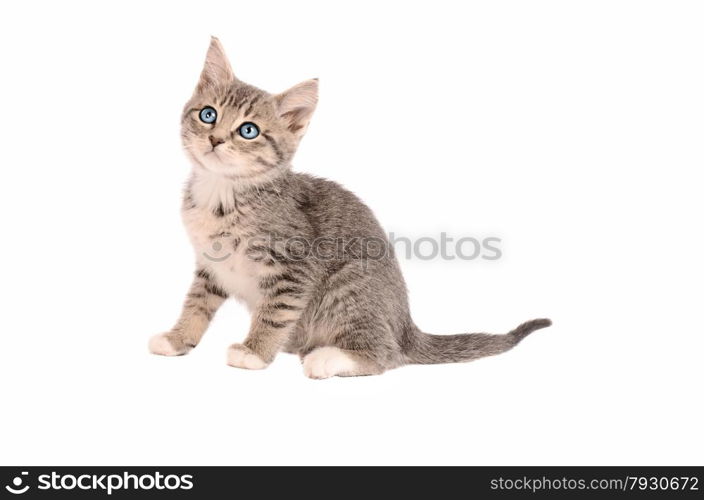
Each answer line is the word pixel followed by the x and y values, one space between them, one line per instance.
pixel 431 349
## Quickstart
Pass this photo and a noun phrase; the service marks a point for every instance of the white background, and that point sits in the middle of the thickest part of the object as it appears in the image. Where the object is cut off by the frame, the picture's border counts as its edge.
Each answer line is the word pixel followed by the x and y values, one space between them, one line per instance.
pixel 572 130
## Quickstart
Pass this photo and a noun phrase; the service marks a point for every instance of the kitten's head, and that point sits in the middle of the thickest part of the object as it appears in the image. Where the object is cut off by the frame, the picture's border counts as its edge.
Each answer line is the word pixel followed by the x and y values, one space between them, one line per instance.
pixel 231 128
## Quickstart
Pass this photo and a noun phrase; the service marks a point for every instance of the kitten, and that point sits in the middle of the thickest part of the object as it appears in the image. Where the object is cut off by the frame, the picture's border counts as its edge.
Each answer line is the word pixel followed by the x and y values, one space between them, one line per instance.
pixel 343 312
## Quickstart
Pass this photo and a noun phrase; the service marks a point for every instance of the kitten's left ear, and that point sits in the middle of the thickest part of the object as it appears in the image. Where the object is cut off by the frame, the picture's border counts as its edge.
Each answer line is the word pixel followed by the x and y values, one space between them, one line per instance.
pixel 296 105
pixel 216 71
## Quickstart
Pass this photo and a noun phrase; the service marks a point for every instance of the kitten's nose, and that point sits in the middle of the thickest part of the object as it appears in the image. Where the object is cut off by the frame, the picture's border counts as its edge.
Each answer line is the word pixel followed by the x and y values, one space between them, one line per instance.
pixel 214 141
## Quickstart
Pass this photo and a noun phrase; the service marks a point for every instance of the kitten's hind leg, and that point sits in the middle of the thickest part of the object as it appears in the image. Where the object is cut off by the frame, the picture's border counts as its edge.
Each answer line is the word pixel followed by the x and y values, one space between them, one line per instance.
pixel 330 361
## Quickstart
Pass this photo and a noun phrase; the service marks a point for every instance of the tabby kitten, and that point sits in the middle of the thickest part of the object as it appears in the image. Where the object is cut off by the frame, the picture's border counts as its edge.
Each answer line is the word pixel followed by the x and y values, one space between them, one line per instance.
pixel 344 313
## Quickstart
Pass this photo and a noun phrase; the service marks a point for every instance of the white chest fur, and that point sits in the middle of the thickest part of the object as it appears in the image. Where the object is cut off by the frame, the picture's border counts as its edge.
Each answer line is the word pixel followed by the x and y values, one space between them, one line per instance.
pixel 220 248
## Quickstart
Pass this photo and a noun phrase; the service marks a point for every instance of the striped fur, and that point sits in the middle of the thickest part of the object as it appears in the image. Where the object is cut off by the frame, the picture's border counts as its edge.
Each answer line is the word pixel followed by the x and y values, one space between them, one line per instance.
pixel 344 316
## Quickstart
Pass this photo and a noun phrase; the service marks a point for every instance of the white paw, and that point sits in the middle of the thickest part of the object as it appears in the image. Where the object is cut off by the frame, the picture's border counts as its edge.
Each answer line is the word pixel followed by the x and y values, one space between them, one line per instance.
pixel 160 344
pixel 325 362
pixel 241 358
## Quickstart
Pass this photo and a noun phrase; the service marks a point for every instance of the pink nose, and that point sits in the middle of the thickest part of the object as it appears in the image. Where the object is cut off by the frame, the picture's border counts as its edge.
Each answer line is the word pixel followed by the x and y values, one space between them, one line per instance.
pixel 214 141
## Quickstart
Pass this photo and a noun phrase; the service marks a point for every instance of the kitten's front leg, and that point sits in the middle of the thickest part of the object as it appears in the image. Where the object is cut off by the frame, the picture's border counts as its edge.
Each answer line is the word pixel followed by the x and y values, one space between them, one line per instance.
pixel 284 299
pixel 203 300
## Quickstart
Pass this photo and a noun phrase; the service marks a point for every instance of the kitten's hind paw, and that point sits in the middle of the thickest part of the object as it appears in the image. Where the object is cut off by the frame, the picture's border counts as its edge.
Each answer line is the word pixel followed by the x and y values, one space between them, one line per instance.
pixel 165 344
pixel 241 356
pixel 326 362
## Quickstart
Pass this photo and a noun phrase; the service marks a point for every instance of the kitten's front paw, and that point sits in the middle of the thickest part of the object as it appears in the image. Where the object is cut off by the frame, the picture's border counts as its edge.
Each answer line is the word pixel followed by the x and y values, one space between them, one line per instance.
pixel 240 356
pixel 164 345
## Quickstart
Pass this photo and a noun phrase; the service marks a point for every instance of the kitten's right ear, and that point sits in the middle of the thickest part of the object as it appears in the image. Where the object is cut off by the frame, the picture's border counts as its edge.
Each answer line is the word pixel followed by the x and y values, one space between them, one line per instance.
pixel 216 71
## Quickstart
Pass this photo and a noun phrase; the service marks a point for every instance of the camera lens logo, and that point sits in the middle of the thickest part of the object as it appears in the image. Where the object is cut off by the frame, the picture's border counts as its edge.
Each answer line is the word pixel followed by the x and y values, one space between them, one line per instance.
pixel 16 487
pixel 217 248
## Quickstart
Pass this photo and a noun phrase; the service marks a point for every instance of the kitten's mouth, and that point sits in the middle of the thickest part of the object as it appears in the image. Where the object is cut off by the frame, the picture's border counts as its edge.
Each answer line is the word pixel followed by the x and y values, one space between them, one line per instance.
pixel 211 160
pixel 212 157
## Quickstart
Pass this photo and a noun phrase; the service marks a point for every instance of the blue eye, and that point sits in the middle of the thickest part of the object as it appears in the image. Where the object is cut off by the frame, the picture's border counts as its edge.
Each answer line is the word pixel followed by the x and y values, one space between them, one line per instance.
pixel 248 130
pixel 208 115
